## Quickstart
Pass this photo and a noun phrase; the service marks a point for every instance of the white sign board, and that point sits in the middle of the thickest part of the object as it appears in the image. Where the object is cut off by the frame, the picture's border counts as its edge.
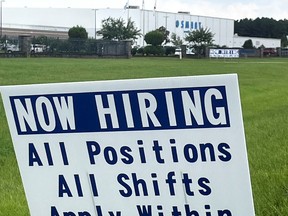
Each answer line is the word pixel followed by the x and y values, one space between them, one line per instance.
pixel 147 147
pixel 224 53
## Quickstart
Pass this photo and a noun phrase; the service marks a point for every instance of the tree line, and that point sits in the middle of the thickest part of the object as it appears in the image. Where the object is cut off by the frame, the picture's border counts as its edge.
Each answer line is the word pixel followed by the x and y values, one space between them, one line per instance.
pixel 263 27
pixel 156 40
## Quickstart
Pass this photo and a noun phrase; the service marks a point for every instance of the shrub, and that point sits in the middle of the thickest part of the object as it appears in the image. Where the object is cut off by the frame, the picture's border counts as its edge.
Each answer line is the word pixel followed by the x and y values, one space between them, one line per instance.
pixel 169 50
pixel 153 50
pixel 134 50
pixel 140 51
pixel 155 38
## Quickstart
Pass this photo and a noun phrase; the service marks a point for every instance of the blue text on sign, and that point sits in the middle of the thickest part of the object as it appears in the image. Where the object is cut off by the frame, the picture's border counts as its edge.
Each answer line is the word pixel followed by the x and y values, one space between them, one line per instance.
pixel 152 109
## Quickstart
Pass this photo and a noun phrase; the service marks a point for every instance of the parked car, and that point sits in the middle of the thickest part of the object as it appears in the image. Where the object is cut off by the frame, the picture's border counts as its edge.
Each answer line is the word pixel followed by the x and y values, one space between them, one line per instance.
pixel 38 48
pixel 189 51
pixel 269 52
pixel 10 48
pixel 2 46
pixel 177 52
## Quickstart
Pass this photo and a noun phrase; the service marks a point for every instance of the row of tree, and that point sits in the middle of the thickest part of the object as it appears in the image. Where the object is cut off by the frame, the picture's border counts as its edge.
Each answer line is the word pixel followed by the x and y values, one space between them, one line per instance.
pixel 263 27
pixel 117 29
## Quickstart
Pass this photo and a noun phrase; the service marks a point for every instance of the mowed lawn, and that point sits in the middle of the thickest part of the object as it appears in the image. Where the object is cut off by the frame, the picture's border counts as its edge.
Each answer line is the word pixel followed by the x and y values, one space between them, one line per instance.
pixel 264 95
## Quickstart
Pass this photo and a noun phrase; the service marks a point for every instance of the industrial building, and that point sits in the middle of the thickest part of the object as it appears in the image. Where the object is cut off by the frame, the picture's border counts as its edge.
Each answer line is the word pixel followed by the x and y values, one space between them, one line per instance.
pixel 57 21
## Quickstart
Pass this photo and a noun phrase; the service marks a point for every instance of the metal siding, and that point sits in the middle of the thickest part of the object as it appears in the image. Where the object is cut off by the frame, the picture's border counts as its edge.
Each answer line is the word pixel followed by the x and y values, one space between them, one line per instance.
pixel 63 18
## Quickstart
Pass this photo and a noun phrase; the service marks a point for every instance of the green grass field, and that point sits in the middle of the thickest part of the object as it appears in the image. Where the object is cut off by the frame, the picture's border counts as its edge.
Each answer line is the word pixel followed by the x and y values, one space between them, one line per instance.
pixel 264 95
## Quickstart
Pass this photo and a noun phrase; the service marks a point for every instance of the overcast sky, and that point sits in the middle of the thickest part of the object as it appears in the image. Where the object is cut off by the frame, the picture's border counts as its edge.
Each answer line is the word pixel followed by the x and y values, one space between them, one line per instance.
pixel 236 9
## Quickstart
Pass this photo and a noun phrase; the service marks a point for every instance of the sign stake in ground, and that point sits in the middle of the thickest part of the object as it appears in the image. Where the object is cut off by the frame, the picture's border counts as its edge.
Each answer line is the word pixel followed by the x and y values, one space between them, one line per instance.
pixel 147 147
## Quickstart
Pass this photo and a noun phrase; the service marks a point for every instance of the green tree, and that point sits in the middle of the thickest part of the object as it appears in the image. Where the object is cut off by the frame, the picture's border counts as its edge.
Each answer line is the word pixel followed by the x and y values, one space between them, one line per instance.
pixel 155 38
pixel 248 44
pixel 200 39
pixel 40 40
pixel 176 40
pixel 284 41
pixel 77 39
pixel 117 29
pixel 165 33
pixel 77 32
pixel 262 27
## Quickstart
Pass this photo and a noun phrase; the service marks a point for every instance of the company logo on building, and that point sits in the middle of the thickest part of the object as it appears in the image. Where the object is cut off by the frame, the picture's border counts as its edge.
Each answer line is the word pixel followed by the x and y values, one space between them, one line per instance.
pixel 187 24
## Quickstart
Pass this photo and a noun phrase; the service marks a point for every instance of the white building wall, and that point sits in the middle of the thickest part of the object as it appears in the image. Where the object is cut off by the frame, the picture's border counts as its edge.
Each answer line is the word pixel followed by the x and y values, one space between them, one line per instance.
pixel 60 17
pixel 257 42
pixel 145 20
pixel 181 24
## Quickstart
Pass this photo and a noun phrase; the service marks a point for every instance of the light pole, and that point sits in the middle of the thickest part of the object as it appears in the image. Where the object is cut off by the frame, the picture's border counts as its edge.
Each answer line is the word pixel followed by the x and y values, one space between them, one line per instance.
pixel 166 17
pixel 95 22
pixel 1 17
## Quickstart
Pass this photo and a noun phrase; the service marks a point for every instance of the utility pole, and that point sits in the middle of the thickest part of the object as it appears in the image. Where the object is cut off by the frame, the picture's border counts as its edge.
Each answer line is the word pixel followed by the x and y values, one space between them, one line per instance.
pixel 127 7
pixel 95 22
pixel 1 17
pixel 166 17
pixel 143 17
pixel 155 13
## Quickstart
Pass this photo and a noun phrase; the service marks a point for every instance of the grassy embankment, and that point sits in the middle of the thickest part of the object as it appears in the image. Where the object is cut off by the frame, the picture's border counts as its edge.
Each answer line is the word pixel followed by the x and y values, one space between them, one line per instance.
pixel 264 95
